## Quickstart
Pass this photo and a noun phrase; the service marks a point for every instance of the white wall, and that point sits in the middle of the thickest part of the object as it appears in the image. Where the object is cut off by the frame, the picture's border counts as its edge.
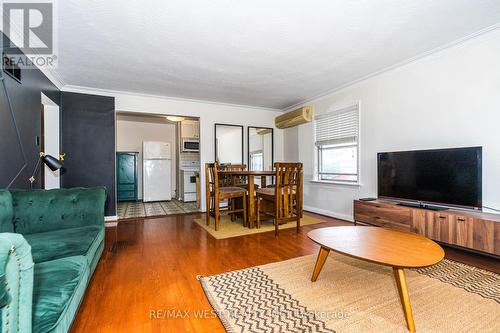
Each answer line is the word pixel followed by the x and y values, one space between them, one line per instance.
pixel 291 150
pixel 447 99
pixel 132 131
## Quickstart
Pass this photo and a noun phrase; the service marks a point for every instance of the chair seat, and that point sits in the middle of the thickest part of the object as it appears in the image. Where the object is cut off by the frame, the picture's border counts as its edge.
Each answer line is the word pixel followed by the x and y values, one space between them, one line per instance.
pixel 269 191
pixel 245 186
pixel 266 191
pixel 232 190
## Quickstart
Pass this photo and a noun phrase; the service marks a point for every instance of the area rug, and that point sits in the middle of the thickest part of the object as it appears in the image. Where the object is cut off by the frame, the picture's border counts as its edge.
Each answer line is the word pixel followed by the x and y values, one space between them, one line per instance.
pixel 228 229
pixel 139 209
pixel 355 296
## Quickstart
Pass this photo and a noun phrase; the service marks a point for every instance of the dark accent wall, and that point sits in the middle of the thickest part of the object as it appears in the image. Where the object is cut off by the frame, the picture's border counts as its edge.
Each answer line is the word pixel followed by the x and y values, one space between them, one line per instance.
pixel 88 139
pixel 18 148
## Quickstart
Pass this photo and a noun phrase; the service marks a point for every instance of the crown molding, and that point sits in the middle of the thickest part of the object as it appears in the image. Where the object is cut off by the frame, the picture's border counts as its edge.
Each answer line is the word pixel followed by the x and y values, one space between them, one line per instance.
pixel 113 93
pixel 441 48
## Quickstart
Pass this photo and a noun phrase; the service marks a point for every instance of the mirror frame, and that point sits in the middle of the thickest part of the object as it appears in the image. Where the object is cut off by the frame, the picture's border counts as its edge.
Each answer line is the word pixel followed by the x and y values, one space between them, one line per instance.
pixel 242 140
pixel 248 145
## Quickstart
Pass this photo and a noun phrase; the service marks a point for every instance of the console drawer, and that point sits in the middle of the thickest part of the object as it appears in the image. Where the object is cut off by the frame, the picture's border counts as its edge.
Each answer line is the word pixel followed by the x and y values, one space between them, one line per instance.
pixel 384 215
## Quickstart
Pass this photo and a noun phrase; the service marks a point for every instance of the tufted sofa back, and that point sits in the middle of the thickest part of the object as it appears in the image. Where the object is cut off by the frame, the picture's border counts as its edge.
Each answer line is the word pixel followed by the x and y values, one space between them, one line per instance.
pixel 6 212
pixel 46 210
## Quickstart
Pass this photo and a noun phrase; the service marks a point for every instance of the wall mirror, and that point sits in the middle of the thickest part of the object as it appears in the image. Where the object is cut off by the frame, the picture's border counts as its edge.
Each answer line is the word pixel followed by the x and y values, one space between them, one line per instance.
pixel 228 144
pixel 260 148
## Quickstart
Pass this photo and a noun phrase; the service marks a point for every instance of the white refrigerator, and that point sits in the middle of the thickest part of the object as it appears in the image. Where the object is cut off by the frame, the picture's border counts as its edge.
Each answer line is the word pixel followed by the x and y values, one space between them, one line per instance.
pixel 157 171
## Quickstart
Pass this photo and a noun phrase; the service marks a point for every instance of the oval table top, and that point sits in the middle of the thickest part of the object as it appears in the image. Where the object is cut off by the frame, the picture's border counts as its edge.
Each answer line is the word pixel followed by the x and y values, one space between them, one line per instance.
pixel 379 245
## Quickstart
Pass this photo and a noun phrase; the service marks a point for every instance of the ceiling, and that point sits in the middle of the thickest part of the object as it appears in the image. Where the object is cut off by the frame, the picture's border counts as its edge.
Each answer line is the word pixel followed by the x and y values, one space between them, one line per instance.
pixel 261 53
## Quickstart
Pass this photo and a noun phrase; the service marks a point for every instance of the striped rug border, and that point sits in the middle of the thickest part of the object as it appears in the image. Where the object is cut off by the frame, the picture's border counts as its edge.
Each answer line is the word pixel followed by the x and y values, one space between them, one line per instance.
pixel 469 278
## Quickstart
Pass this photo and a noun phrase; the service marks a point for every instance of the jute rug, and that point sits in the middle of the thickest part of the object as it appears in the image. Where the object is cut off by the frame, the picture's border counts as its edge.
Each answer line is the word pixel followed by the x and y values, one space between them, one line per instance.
pixel 228 229
pixel 351 295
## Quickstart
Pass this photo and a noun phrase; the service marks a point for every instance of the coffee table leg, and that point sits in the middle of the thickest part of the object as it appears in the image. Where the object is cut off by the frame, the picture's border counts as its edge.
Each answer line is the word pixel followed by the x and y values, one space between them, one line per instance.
pixel 399 275
pixel 320 261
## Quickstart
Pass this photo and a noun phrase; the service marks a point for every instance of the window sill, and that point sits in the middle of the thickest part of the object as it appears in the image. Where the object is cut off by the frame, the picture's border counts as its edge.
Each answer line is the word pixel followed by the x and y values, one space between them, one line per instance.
pixel 335 183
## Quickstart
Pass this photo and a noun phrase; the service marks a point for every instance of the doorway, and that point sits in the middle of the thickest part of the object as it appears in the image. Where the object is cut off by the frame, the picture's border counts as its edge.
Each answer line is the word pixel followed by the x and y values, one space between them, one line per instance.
pixel 50 143
pixel 157 165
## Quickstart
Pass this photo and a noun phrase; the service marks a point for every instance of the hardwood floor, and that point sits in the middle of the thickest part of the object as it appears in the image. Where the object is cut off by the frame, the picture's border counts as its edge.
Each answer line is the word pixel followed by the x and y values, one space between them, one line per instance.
pixel 150 285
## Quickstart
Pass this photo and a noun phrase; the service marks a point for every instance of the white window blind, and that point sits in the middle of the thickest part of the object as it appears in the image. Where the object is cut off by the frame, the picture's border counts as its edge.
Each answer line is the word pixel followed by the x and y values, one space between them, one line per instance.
pixel 337 127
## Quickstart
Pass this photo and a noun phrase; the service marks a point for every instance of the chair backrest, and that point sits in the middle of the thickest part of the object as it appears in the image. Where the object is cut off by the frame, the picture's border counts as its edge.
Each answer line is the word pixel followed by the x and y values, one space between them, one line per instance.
pixel 211 177
pixel 288 190
pixel 228 180
pixel 232 167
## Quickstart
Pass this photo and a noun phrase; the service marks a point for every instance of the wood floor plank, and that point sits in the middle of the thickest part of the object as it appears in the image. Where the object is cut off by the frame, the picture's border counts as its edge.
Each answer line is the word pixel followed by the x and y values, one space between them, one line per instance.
pixel 149 283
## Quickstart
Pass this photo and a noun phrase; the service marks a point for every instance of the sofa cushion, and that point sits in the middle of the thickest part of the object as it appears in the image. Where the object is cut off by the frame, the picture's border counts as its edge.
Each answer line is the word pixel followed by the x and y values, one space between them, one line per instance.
pixel 6 212
pixel 62 243
pixel 58 289
pixel 46 210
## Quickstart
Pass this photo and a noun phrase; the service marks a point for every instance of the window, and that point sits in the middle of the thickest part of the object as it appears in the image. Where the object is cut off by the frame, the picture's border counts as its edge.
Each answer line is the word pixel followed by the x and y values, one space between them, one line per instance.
pixel 257 161
pixel 337 146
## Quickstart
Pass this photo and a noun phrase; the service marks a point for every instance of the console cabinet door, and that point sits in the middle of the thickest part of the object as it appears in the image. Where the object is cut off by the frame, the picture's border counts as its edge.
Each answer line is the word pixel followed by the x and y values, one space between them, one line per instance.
pixel 418 221
pixel 497 238
pixel 463 231
pixel 483 234
pixel 446 227
pixel 439 226
pixel 432 229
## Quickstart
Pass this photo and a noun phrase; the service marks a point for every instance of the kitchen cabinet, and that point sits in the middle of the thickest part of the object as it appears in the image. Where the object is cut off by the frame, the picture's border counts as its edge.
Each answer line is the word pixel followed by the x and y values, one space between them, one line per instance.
pixel 190 129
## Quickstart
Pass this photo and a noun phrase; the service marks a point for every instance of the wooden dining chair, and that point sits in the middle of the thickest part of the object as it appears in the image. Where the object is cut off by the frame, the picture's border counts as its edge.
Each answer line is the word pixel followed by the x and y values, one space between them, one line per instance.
pixel 232 180
pixel 215 193
pixel 229 180
pixel 285 197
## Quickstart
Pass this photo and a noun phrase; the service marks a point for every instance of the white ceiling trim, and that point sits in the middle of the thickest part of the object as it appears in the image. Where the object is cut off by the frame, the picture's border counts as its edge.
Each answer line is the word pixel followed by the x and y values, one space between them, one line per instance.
pixel 400 64
pixel 112 93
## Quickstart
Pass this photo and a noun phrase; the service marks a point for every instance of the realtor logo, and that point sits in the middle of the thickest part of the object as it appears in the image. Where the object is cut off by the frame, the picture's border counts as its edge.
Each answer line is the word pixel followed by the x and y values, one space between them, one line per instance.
pixel 28 29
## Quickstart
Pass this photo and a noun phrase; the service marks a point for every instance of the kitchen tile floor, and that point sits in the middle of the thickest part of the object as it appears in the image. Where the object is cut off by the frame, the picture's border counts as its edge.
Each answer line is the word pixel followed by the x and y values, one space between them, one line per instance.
pixel 138 209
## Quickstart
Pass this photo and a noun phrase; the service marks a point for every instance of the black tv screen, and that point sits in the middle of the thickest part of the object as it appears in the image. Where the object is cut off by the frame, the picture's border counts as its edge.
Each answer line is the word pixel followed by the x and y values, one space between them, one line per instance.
pixel 442 176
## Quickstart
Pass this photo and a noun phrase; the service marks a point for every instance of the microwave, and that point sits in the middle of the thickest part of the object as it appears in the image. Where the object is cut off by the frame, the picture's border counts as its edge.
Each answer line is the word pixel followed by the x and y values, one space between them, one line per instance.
pixel 190 145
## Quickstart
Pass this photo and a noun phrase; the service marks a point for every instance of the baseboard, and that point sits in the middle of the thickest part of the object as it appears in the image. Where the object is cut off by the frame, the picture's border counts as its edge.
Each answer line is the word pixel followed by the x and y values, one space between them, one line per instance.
pixel 110 221
pixel 329 213
pixel 110 218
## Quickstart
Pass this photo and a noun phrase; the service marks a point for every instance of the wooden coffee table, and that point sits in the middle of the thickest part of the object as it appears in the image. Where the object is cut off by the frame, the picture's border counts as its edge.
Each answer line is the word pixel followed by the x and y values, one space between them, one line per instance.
pixel 397 249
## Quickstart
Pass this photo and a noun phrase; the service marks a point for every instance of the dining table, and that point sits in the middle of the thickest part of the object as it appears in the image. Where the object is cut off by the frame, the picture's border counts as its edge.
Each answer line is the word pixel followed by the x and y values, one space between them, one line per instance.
pixel 251 187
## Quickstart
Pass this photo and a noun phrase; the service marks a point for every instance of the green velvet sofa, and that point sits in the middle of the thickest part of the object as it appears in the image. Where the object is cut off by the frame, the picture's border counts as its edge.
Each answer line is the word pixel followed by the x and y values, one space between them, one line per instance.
pixel 50 244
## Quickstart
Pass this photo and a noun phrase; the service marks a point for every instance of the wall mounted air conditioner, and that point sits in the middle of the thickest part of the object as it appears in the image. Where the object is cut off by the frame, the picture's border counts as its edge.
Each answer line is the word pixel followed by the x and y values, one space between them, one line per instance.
pixel 297 117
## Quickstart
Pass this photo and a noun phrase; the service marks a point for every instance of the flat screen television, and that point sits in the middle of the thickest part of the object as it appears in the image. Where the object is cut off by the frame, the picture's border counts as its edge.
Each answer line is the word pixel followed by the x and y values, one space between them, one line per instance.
pixel 450 177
